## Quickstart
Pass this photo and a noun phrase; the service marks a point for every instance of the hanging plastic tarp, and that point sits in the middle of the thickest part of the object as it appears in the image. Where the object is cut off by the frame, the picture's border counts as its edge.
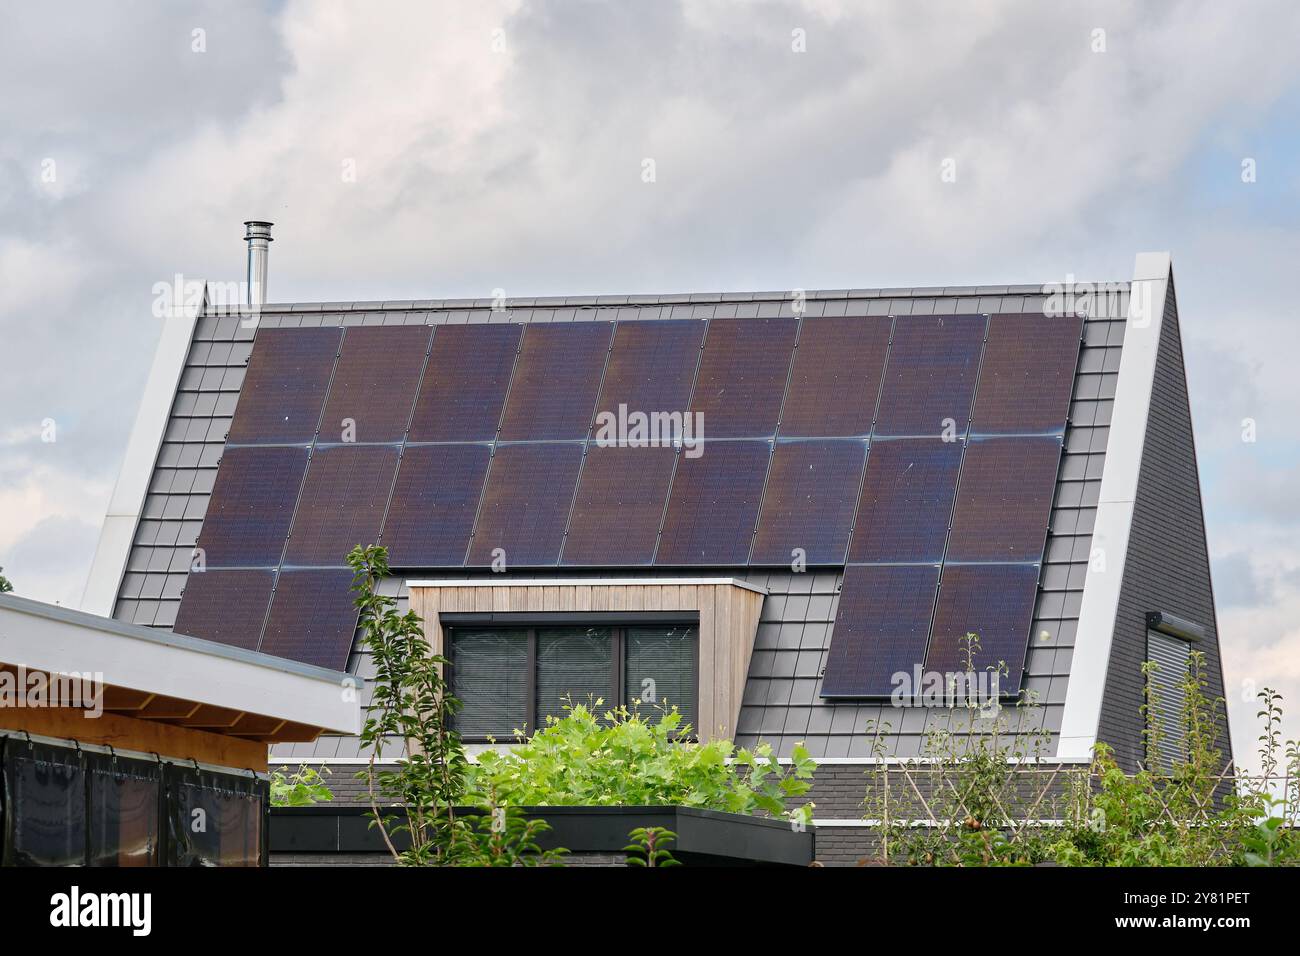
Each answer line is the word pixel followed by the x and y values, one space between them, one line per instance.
pixel 44 805
pixel 125 802
pixel 215 819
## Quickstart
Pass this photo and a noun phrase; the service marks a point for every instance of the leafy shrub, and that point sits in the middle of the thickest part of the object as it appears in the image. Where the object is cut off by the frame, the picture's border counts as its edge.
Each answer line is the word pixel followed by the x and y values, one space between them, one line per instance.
pixel 302 788
pixel 627 759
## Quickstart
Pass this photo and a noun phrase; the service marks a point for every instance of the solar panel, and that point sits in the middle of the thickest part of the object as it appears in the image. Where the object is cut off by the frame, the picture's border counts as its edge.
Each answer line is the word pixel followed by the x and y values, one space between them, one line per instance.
pixel 1028 374
pixel 553 394
pixel 906 503
pixel 225 606
pixel 930 376
pixel 375 382
pixel 432 512
pixel 465 382
pixel 312 618
pixel 809 500
pixel 994 601
pixel 620 503
pixel 651 367
pixel 252 504
pixel 284 389
pixel 881 628
pixel 836 376
pixel 1004 499
pixel 343 501
pixel 714 504
pixel 526 504
pixel 742 376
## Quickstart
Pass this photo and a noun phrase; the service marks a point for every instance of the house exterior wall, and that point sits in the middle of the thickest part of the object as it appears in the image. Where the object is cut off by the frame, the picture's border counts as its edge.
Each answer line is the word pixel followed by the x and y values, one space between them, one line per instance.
pixel 1167 567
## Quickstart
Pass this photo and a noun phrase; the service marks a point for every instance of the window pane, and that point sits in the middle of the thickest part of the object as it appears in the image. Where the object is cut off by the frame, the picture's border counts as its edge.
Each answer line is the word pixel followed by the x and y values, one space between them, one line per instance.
pixel 661 665
pixel 489 676
pixel 573 663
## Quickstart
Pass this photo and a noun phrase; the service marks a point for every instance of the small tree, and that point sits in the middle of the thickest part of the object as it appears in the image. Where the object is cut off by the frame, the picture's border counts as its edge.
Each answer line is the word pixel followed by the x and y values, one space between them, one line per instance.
pixel 411 712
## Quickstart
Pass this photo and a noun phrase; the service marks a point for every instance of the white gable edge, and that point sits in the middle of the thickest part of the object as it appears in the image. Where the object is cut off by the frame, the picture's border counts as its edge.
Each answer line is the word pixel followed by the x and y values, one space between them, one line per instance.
pixel 1119 483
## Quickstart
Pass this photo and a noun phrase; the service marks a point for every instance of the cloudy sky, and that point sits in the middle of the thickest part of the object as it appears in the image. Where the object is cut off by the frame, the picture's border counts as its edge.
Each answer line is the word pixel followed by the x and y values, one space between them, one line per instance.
pixel 428 150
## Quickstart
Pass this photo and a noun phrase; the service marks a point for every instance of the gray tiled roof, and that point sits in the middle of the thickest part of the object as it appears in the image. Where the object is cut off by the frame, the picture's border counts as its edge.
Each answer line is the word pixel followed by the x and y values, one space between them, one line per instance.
pixel 781 703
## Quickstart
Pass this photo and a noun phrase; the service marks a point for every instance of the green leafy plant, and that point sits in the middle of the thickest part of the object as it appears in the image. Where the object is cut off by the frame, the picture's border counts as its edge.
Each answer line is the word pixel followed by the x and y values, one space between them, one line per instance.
pixel 410 717
pixel 1157 817
pixel 958 802
pixel 625 758
pixel 1197 812
pixel 649 847
pixel 502 836
pixel 303 787
pixel 410 713
pixel 5 586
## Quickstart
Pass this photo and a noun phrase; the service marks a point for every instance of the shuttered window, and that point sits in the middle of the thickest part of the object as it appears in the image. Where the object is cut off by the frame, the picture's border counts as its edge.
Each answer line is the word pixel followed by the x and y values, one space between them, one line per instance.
pixel 1172 657
pixel 573 666
pixel 661 666
pixel 489 676
pixel 513 678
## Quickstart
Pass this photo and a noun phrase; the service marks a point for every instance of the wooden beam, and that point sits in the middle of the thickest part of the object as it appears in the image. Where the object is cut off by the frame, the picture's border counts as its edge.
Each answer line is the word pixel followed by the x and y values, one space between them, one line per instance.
pixel 130 733
pixel 211 718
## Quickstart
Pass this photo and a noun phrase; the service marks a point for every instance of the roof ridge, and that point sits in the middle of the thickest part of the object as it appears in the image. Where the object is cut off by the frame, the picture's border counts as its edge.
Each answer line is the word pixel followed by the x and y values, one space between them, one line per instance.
pixel 599 301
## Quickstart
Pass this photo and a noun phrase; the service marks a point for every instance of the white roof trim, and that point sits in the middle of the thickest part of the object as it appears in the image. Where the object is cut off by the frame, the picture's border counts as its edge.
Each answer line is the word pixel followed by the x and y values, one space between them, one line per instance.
pixel 579 582
pixel 127 502
pixel 58 640
pixel 1119 483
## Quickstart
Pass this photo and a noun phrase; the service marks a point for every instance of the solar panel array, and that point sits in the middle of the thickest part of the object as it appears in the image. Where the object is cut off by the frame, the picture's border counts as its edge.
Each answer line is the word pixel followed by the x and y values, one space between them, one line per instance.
pixel 920 451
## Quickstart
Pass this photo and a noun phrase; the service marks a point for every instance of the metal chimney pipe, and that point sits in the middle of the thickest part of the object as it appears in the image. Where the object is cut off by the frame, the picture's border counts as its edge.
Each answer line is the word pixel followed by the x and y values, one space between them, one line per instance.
pixel 258 237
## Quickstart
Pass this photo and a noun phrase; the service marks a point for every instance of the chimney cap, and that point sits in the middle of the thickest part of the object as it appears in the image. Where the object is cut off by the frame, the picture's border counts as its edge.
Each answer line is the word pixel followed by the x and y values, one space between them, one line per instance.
pixel 258 229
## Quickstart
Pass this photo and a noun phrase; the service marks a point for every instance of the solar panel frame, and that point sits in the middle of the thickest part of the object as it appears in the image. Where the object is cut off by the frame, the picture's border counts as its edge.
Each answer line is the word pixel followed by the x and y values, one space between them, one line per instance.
pixel 1004 499
pixel 375 382
pixel 434 502
pixel 882 624
pixel 343 501
pixel 994 601
pixel 526 503
pixel 809 500
pixel 313 618
pixel 252 504
pixel 1027 375
pixel 556 381
pixel 283 392
pixel 619 505
pixel 651 367
pixel 835 382
pixel 742 377
pixel 713 505
pixel 465 382
pixel 905 506
pixel 930 376
pixel 225 606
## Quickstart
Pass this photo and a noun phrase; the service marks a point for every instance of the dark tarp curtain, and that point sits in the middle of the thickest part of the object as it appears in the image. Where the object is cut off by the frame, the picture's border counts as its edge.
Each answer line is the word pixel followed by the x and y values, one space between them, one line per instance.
pixel 125 802
pixel 214 819
pixel 60 806
pixel 44 806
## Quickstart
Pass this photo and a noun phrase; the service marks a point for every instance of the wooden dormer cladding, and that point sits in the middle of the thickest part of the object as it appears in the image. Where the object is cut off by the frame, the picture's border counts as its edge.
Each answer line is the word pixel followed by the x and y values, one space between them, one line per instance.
pixel 728 611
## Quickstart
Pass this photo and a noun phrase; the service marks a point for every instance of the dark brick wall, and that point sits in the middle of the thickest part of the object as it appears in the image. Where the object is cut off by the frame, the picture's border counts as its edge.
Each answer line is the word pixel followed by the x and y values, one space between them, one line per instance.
pixel 1167 567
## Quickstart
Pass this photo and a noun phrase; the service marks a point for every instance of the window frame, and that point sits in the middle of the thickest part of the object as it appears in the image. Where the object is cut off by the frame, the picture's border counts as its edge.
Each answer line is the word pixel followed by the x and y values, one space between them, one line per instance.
pixel 618 625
